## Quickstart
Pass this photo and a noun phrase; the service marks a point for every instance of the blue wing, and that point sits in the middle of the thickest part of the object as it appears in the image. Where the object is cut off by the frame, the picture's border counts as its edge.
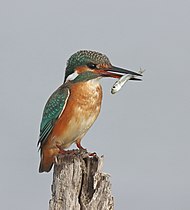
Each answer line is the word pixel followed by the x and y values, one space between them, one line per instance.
pixel 52 110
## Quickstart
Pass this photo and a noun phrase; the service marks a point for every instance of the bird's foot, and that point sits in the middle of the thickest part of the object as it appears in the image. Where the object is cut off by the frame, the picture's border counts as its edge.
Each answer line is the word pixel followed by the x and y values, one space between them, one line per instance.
pixel 81 148
pixel 62 152
pixel 71 152
pixel 92 154
pixel 86 154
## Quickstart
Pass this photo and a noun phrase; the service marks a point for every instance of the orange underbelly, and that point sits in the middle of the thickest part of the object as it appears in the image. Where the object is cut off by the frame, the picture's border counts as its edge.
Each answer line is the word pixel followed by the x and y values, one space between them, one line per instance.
pixel 82 109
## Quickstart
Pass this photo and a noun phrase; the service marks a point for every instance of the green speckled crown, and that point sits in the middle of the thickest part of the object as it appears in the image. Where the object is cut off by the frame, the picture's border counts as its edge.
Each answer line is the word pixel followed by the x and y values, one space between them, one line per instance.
pixel 84 57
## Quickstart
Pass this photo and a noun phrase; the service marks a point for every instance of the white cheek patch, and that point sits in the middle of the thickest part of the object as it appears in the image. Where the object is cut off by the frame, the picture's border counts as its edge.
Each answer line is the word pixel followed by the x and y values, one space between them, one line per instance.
pixel 72 76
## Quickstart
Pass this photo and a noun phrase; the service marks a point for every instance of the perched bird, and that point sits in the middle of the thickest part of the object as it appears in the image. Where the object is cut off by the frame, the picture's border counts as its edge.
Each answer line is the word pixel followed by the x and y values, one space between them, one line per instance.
pixel 74 106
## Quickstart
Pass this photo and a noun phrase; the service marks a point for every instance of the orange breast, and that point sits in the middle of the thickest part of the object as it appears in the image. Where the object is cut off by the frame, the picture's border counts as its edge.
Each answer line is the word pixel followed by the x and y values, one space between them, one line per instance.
pixel 82 109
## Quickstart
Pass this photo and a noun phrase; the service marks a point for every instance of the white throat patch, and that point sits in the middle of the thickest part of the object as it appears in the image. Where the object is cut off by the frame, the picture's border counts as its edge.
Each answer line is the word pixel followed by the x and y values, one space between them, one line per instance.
pixel 72 76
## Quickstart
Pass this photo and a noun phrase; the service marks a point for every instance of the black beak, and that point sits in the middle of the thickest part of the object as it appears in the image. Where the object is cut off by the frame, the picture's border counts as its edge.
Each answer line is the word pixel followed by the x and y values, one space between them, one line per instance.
pixel 122 71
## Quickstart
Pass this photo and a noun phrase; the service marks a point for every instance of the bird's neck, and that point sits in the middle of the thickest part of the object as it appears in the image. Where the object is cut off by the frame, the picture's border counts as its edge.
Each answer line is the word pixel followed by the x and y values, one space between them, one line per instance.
pixel 86 76
pixel 88 88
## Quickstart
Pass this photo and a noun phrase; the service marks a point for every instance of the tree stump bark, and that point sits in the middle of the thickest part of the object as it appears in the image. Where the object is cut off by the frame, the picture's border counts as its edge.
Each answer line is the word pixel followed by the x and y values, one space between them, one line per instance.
pixel 79 183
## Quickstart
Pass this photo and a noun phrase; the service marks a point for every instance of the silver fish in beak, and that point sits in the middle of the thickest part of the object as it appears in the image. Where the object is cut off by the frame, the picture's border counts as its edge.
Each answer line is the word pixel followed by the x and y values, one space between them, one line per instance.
pixel 121 81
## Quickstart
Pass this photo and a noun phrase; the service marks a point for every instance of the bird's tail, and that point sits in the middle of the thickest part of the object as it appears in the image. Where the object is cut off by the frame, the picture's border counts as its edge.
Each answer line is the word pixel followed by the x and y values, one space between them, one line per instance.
pixel 46 163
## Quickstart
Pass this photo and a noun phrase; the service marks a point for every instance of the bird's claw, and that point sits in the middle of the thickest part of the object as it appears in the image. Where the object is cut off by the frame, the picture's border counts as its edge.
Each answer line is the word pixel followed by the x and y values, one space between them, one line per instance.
pixel 92 154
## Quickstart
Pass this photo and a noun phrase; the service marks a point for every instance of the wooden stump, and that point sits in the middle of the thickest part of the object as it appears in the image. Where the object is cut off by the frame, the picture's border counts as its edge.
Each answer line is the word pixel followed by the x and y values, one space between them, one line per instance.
pixel 79 184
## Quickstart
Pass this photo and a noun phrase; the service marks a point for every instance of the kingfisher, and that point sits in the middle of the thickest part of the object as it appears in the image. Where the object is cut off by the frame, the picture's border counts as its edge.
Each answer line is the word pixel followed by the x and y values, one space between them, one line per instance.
pixel 72 109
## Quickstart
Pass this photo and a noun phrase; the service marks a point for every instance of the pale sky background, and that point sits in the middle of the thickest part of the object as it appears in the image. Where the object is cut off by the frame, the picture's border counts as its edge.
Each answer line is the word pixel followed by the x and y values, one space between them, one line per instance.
pixel 143 130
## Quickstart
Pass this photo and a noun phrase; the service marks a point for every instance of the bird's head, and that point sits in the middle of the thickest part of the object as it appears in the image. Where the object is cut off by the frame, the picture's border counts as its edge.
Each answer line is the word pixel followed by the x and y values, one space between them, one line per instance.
pixel 85 65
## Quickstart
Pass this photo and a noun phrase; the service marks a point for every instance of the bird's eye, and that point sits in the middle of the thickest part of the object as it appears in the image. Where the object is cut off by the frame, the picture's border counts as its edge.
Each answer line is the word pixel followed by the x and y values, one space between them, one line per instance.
pixel 91 65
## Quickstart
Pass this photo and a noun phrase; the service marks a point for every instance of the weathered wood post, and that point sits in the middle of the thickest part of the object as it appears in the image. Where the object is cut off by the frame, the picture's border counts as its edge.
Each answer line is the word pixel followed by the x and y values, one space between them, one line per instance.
pixel 80 184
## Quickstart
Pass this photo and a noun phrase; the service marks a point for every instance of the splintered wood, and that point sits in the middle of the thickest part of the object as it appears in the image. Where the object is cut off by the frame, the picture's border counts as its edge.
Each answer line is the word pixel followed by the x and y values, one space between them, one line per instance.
pixel 79 184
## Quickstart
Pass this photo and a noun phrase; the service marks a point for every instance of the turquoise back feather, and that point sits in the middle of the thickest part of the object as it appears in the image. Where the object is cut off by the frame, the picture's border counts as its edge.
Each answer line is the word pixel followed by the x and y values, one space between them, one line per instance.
pixel 52 110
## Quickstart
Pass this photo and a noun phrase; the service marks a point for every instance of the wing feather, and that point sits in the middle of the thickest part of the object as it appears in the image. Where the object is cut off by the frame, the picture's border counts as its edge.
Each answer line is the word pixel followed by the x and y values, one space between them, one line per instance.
pixel 52 111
